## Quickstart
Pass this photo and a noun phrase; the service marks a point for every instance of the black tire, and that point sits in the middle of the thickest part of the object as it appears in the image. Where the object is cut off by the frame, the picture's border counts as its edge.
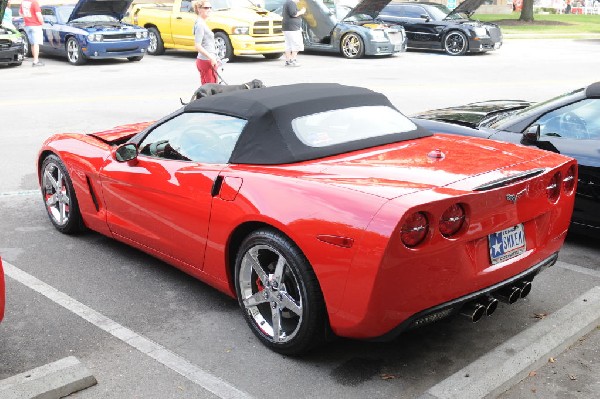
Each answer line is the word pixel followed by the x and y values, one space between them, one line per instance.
pixel 273 56
pixel 455 43
pixel 135 58
pixel 74 53
pixel 292 302
pixel 59 196
pixel 26 45
pixel 157 46
pixel 223 45
pixel 352 46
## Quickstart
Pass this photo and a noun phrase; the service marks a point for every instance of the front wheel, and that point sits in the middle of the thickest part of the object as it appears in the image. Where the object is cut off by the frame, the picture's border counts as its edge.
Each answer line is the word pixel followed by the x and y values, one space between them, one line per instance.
pixel 455 43
pixel 74 53
pixel 223 45
pixel 279 293
pixel 157 46
pixel 59 196
pixel 26 45
pixel 352 46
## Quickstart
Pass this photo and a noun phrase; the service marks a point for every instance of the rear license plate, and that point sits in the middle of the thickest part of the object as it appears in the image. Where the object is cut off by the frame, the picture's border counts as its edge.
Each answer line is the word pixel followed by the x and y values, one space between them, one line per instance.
pixel 507 244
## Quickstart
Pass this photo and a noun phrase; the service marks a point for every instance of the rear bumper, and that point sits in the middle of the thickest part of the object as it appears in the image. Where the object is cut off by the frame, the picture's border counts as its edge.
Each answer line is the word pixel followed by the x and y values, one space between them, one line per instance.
pixel 449 308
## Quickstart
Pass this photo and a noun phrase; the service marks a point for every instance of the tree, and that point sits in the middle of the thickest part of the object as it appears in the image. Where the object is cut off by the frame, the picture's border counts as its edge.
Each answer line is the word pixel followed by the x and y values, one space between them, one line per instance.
pixel 527 11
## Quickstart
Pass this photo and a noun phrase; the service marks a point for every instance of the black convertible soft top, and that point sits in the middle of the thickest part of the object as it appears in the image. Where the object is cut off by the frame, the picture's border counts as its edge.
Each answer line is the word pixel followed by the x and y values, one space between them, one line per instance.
pixel 268 137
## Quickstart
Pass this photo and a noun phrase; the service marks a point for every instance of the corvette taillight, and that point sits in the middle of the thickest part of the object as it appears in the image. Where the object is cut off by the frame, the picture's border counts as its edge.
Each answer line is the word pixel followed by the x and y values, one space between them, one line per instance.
pixel 553 187
pixel 415 229
pixel 569 180
pixel 452 220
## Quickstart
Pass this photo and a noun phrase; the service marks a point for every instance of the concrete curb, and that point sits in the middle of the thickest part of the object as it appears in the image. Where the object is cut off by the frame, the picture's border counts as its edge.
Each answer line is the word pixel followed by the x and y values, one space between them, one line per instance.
pixel 510 362
pixel 52 381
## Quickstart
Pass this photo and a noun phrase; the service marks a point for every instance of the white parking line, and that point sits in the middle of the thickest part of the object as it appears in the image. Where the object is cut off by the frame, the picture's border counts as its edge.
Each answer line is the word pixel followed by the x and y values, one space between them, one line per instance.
pixel 20 193
pixel 501 368
pixel 578 269
pixel 159 353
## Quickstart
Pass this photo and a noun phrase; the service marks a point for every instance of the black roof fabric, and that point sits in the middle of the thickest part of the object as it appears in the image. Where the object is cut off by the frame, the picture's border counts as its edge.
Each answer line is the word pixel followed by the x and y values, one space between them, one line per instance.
pixel 268 138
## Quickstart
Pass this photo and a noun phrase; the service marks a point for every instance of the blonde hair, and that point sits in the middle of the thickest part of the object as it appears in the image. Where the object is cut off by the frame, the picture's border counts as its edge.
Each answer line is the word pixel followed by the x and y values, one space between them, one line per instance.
pixel 198 4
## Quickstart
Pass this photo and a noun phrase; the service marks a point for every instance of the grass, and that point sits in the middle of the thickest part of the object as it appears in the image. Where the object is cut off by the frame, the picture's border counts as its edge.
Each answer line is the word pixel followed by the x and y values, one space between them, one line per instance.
pixel 545 25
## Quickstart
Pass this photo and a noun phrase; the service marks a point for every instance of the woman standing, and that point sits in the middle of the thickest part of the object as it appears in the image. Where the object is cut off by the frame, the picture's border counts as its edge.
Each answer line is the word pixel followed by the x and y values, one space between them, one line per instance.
pixel 204 39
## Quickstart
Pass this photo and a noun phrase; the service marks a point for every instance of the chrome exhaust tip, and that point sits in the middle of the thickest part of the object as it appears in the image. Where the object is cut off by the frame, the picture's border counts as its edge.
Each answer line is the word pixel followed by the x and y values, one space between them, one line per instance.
pixel 509 295
pixel 474 311
pixel 490 305
pixel 525 287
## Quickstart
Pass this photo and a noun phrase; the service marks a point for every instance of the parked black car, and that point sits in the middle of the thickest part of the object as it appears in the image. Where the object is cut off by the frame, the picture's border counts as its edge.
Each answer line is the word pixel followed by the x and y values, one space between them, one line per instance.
pixel 12 48
pixel 433 26
pixel 568 124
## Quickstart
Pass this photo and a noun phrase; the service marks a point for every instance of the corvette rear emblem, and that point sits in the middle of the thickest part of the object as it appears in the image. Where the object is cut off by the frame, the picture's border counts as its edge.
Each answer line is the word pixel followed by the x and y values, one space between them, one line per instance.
pixel 514 197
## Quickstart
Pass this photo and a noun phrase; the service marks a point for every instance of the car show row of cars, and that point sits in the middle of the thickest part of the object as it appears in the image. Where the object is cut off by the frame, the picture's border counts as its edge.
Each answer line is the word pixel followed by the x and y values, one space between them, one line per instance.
pixel 94 29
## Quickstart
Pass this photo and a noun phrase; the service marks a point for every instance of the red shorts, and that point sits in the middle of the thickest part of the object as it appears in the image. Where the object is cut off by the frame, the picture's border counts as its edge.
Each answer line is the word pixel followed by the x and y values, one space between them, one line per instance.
pixel 207 73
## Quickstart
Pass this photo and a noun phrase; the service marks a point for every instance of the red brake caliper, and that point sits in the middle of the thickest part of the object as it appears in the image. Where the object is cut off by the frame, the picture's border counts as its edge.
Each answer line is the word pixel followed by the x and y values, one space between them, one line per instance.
pixel 259 284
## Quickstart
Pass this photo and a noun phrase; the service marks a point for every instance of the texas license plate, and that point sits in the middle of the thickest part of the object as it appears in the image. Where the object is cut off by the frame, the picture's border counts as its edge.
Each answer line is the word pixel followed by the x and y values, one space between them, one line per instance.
pixel 507 244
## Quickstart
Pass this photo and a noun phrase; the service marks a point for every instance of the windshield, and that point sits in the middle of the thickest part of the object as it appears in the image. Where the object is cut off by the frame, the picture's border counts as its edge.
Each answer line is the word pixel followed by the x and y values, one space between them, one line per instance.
pixel 225 4
pixel 528 111
pixel 440 12
pixel 345 125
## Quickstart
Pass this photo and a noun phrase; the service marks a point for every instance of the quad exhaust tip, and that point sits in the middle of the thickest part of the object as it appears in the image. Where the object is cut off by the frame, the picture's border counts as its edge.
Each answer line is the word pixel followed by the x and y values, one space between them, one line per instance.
pixel 487 305
pixel 510 295
pixel 525 287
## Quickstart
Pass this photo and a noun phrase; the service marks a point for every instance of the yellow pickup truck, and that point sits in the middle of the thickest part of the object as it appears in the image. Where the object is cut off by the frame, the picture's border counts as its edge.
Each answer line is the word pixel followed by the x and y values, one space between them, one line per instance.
pixel 241 27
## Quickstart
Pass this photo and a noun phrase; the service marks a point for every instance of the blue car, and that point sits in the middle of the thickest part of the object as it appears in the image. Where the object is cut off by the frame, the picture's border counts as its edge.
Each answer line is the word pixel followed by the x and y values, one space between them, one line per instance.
pixel 91 29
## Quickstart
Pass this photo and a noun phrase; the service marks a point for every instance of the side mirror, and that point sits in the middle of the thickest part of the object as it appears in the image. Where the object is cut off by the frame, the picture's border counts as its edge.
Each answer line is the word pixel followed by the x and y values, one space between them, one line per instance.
pixel 425 17
pixel 126 153
pixel 532 134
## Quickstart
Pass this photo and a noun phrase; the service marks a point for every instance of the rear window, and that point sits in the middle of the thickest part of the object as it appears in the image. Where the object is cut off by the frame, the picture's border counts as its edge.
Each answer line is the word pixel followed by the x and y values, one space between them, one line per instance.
pixel 350 124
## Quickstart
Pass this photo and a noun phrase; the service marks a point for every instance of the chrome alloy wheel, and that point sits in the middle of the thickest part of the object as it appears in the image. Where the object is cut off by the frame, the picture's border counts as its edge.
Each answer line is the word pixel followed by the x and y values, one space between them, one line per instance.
pixel 57 195
pixel 73 51
pixel 352 46
pixel 270 294
pixel 153 42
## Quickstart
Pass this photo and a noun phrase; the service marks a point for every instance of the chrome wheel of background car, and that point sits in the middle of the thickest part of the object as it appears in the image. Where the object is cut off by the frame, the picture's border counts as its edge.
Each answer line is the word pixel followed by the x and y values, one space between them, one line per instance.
pixel 455 43
pixel 279 293
pixel 26 46
pixel 59 196
pixel 352 46
pixel 74 53
pixel 223 45
pixel 157 47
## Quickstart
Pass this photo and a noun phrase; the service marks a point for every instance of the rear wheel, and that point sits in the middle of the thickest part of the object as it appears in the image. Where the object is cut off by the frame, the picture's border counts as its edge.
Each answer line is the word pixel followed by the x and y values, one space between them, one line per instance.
pixel 59 196
pixel 279 293
pixel 455 43
pixel 223 45
pixel 157 46
pixel 352 46
pixel 74 53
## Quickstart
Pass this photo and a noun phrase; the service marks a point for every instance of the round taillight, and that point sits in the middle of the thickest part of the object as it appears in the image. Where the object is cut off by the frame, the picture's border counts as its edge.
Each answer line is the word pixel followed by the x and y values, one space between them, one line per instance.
pixel 415 229
pixel 569 180
pixel 553 188
pixel 452 220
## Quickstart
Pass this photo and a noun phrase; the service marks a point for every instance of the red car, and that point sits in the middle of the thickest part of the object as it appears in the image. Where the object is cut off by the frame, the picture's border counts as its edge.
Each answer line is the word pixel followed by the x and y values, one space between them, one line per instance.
pixel 320 207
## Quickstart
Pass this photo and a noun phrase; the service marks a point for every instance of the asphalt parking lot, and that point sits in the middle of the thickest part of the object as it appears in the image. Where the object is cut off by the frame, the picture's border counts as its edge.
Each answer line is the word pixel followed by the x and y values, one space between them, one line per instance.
pixel 76 296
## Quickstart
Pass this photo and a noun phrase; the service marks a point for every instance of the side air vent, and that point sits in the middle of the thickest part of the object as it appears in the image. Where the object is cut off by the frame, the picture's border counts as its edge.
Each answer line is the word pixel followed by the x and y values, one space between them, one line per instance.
pixel 507 181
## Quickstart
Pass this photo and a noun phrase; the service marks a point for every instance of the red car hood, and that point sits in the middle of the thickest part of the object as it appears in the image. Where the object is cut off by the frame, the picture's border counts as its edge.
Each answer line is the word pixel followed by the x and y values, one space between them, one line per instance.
pixel 120 133
pixel 408 167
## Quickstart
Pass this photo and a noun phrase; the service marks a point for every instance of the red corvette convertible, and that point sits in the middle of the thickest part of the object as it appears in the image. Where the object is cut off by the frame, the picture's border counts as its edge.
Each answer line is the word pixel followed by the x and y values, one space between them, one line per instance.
pixel 320 207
